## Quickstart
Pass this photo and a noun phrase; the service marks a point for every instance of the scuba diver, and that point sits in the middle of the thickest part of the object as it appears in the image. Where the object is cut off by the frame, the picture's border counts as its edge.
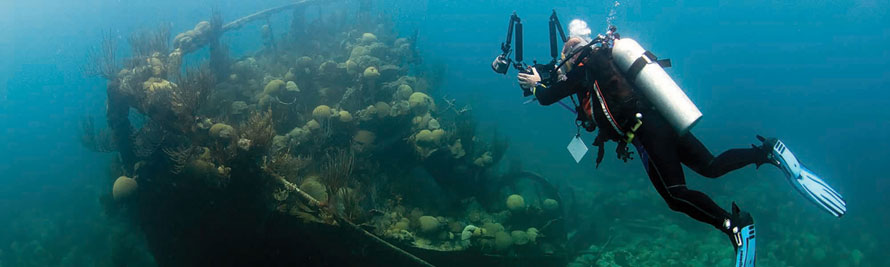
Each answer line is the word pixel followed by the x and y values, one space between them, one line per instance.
pixel 621 89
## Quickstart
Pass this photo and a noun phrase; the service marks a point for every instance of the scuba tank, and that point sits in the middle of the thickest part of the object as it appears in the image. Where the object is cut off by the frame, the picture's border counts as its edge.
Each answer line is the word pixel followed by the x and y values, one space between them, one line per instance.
pixel 645 71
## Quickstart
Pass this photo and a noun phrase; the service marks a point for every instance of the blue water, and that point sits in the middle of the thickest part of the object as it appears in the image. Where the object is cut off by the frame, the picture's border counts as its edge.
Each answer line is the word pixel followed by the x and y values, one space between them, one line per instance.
pixel 813 73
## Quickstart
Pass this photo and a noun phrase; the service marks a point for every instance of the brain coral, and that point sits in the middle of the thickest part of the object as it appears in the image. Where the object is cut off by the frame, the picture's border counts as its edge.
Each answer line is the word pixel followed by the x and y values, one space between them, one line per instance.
pixel 292 86
pixel 222 131
pixel 550 204
pixel 515 202
pixel 420 102
pixel 371 73
pixel 273 87
pixel 345 116
pixel 502 241
pixel 368 38
pixel 383 109
pixel 428 224
pixel 404 92
pixel 519 237
pixel 315 189
pixel 123 188
pixel 321 112
pixel 312 125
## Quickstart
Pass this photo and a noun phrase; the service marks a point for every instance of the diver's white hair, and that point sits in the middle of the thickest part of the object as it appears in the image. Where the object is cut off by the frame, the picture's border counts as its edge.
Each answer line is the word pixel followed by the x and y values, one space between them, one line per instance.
pixel 578 28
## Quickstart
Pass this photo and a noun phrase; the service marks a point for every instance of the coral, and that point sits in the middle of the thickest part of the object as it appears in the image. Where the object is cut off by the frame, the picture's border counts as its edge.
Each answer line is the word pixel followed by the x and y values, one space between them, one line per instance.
pixel 322 112
pixel 371 74
pixel 345 116
pixel 492 228
pixel 238 107
pixel 403 92
pixel 515 202
pixel 273 87
pixel 315 189
pixel 368 38
pixel 222 131
pixel 502 241
pixel 484 160
pixel 420 102
pixel 312 125
pixel 351 67
pixel 291 86
pixel 124 187
pixel 457 149
pixel 519 237
pixel 468 231
pixel 363 141
pixel 433 124
pixel 258 129
pixel 428 224
pixel 193 39
pixel 532 234
pixel 550 204
pixel 382 109
pixel 157 84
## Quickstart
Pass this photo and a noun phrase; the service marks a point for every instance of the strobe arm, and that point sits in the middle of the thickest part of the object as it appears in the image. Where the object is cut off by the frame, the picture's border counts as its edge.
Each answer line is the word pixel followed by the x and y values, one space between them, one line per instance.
pixel 502 62
pixel 555 27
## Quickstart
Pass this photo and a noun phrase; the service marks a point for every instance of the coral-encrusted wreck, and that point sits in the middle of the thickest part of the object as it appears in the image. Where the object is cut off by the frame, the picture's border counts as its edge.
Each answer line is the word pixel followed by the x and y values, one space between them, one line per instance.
pixel 323 147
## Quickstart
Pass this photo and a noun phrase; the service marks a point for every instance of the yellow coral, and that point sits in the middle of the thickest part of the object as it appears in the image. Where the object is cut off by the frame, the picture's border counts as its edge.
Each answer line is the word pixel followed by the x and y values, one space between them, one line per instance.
pixel 484 160
pixel 550 204
pixel 292 86
pixel 457 149
pixel 433 124
pixel 383 109
pixel 437 135
pixel 124 187
pixel 273 87
pixel 424 137
pixel 222 131
pixel 157 84
pixel 312 125
pixel 515 202
pixel 502 241
pixel 351 67
pixel 403 92
pixel 321 112
pixel 345 116
pixel 532 234
pixel 519 237
pixel 420 102
pixel 368 38
pixel 371 74
pixel 428 224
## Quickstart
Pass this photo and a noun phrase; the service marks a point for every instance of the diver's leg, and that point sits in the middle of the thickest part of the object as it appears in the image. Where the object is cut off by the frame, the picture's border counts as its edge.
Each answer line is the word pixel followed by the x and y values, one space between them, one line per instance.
pixel 658 146
pixel 666 175
pixel 695 155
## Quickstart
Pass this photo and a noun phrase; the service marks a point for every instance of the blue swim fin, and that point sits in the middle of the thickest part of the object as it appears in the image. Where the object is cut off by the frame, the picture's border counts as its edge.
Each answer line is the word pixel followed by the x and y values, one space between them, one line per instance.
pixel 740 228
pixel 744 253
pixel 804 180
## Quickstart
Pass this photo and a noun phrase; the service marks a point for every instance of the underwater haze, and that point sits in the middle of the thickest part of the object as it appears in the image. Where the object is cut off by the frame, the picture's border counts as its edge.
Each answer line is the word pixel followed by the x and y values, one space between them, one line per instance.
pixel 361 132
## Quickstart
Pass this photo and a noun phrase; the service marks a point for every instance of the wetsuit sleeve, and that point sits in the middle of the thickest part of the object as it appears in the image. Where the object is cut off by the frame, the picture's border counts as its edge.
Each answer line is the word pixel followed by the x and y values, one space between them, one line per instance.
pixel 547 95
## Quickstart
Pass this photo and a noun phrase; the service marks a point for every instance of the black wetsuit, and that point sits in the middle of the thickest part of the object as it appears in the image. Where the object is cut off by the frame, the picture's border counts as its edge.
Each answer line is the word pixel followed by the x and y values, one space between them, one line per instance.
pixel 661 149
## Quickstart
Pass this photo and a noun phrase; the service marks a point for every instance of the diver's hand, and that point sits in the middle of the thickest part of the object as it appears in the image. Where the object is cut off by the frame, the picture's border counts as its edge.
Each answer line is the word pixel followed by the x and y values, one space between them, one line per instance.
pixel 527 81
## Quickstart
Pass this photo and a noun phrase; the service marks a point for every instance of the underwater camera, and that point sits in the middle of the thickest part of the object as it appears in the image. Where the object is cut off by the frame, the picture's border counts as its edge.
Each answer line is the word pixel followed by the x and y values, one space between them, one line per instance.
pixel 502 62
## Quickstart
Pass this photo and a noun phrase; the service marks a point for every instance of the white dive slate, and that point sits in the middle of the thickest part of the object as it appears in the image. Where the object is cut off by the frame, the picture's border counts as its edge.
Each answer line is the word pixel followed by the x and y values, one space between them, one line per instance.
pixel 577 148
